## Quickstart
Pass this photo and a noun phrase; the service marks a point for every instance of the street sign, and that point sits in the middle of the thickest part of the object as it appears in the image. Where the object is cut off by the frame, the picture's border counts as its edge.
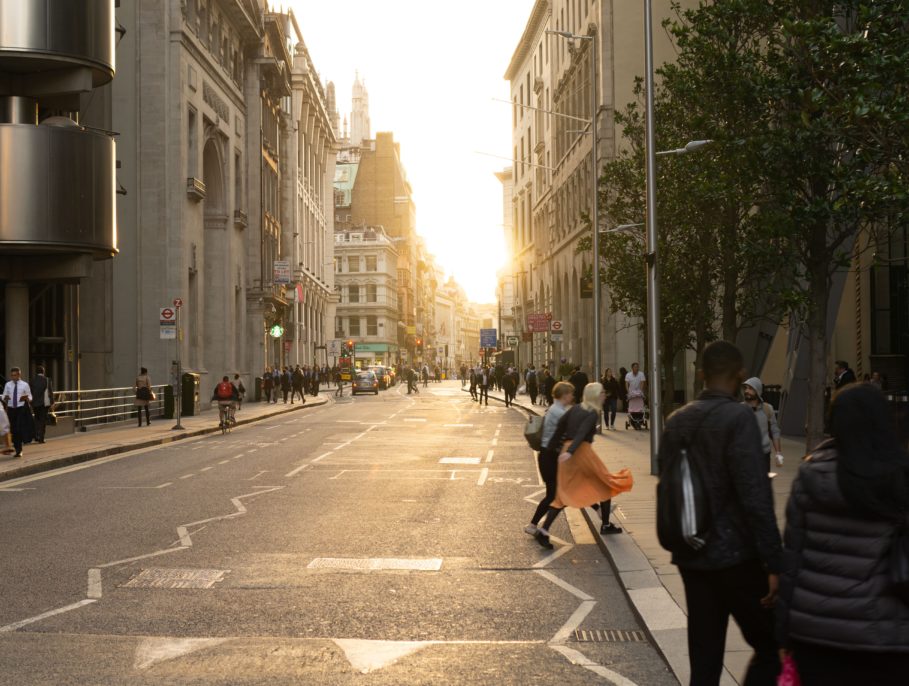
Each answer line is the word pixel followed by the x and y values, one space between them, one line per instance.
pixel 555 337
pixel 538 322
pixel 512 340
pixel 168 319
pixel 556 326
pixel 282 272
pixel 333 347
pixel 178 303
pixel 488 338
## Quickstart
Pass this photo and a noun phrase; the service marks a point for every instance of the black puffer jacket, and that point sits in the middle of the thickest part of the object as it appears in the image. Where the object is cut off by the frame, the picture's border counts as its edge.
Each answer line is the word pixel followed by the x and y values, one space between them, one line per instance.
pixel 834 586
pixel 732 462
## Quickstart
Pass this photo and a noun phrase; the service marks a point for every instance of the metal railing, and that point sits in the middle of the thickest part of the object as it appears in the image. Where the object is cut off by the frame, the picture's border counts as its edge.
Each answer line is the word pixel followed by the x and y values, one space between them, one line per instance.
pixel 101 406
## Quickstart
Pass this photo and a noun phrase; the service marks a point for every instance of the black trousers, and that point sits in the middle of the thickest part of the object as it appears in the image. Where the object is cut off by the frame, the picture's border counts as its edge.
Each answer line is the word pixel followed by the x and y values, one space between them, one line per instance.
pixel 822 666
pixel 609 410
pixel 712 596
pixel 17 420
pixel 484 393
pixel 548 462
pixel 40 421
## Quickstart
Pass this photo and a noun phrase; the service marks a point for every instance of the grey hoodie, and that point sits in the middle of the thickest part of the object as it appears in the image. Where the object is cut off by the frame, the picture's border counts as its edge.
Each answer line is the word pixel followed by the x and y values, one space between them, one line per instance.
pixel 764 415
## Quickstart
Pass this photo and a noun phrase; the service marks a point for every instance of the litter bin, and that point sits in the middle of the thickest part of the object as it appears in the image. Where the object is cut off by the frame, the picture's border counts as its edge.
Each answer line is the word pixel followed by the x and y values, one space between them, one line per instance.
pixel 191 406
pixel 258 391
pixel 169 402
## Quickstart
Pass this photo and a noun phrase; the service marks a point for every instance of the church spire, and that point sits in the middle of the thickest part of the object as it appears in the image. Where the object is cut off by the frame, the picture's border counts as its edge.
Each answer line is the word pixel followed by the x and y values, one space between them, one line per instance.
pixel 360 129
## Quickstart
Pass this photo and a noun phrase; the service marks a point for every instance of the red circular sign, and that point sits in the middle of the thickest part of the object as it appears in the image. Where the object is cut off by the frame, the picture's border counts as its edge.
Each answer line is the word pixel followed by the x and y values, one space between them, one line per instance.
pixel 557 326
pixel 167 313
pixel 178 302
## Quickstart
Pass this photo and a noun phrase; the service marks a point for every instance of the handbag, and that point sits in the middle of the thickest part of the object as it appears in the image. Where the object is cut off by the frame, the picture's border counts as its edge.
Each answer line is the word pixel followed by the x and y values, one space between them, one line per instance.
pixel 899 563
pixel 533 432
pixel 51 418
pixel 144 393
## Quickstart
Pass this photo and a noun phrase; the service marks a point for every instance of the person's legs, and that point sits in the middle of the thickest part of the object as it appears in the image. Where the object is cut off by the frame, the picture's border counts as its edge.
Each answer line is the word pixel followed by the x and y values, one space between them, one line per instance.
pixel 147 415
pixel 40 423
pixel 708 616
pixel 548 463
pixel 607 527
pixel 612 411
pixel 15 426
pixel 745 586
pixel 139 414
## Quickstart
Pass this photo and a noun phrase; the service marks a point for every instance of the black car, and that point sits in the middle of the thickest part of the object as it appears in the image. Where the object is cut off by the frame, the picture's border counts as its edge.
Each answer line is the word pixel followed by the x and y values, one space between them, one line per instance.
pixel 365 382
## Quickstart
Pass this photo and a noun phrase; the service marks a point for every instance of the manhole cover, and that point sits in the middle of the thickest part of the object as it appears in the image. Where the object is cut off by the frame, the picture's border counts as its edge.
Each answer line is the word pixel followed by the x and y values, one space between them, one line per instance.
pixel 158 577
pixel 609 636
pixel 376 564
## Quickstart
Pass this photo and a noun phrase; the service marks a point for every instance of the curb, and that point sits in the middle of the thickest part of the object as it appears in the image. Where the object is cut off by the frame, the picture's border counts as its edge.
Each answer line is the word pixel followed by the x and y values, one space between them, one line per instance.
pixel 57 462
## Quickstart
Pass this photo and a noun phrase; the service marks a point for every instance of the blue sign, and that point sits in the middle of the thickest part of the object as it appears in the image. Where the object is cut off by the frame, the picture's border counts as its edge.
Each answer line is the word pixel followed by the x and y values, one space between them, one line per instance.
pixel 487 338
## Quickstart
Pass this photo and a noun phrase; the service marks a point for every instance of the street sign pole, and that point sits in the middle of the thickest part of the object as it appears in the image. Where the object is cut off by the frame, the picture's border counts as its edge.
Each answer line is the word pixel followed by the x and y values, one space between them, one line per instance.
pixel 178 396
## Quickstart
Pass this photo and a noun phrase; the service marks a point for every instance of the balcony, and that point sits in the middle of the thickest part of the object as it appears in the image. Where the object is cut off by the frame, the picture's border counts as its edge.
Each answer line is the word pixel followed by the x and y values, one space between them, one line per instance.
pixel 195 189
pixel 241 221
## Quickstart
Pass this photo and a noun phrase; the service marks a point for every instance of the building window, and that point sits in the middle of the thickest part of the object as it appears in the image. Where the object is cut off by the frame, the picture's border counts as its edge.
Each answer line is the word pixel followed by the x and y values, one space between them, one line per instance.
pixel 371 293
pixel 370 263
pixel 338 265
pixel 353 294
pixel 353 263
pixel 354 326
pixel 372 326
pixel 191 153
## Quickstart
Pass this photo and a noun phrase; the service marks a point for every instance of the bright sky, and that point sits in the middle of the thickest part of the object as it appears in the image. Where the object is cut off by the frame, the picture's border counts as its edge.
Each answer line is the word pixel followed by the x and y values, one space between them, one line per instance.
pixel 432 70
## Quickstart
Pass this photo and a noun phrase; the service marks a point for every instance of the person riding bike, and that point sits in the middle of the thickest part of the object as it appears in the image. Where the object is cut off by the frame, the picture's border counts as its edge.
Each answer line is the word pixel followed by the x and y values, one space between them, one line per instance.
pixel 226 395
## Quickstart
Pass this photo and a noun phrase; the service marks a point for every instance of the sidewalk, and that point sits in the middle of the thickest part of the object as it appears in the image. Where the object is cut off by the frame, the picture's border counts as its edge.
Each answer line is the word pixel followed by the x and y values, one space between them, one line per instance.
pixel 652 583
pixel 90 445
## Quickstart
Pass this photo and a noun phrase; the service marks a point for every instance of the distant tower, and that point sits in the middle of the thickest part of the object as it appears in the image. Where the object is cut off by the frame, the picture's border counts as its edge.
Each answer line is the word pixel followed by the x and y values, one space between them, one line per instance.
pixel 359 116
pixel 344 136
pixel 332 105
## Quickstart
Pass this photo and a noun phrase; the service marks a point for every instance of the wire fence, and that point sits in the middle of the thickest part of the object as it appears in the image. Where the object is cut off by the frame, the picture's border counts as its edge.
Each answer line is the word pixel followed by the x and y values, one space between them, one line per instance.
pixel 100 406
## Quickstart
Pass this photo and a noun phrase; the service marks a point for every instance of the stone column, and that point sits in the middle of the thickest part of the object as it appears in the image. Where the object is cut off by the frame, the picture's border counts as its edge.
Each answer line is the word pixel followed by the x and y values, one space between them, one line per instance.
pixel 17 328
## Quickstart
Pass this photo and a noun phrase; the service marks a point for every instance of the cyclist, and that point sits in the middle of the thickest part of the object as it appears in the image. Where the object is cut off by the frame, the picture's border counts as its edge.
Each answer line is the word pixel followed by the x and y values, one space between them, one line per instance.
pixel 226 395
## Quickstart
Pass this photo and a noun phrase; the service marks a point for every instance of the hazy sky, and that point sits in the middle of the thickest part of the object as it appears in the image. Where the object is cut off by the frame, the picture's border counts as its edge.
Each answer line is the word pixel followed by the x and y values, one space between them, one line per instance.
pixel 432 70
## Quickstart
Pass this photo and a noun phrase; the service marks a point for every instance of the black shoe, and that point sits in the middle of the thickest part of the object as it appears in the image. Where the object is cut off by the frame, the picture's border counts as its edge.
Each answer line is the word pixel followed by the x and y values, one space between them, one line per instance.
pixel 543 540
pixel 610 528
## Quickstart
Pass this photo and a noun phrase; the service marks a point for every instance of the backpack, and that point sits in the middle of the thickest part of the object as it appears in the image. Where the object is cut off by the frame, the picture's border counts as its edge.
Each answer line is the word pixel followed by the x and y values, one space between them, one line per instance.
pixel 683 517
pixel 225 391
pixel 533 432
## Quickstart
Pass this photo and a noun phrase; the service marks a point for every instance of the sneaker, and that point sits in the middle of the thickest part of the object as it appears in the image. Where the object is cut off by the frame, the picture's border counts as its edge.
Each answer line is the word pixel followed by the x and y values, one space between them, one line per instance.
pixel 530 529
pixel 610 528
pixel 543 540
pixel 779 460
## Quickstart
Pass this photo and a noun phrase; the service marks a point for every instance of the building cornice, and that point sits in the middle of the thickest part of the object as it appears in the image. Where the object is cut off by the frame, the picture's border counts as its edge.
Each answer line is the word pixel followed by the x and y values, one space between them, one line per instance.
pixel 540 12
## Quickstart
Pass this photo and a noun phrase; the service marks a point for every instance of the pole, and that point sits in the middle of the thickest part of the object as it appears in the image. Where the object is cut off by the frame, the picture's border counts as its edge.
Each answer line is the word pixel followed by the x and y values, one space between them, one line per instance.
pixel 178 399
pixel 653 275
pixel 596 211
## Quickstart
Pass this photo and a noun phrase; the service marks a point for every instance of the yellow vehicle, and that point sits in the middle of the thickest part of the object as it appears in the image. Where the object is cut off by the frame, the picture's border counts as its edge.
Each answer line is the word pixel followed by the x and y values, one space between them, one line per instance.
pixel 382 375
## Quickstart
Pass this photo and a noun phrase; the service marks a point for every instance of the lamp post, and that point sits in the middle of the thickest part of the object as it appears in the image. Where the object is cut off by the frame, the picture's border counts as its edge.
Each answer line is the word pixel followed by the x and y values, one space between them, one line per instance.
pixel 571 37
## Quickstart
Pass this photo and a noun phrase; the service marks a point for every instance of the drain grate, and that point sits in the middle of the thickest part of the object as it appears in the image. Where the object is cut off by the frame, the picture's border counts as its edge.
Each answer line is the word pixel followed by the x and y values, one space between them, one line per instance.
pixel 609 636
pixel 157 577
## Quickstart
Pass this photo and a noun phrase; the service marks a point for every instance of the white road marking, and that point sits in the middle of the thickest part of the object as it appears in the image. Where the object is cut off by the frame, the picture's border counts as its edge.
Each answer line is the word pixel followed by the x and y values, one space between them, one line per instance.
pixel 94 583
pixel 456 425
pixel 154 650
pixel 252 478
pixel 378 564
pixel 459 460
pixel 205 469
pixel 44 615
pixel 573 622
pixel 414 419
pixel 187 476
pixel 224 461
pixel 489 455
pixel 575 657
pixel 251 451
pixel 552 557
pixel 484 473
pixel 18 490
pixel 165 484
pixel 321 457
pixel 294 472
pixel 185 539
pixel 367 656
pixel 494 442
pixel 561 583
pixel 338 475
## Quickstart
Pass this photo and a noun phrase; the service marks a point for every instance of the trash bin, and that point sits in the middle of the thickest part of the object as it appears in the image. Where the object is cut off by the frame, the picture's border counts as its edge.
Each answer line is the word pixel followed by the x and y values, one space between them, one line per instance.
pixel 191 406
pixel 258 390
pixel 169 402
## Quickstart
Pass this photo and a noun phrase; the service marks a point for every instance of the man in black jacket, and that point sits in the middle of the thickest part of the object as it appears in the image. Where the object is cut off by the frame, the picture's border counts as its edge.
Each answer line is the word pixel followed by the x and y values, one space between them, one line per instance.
pixel 42 400
pixel 736 572
pixel 579 380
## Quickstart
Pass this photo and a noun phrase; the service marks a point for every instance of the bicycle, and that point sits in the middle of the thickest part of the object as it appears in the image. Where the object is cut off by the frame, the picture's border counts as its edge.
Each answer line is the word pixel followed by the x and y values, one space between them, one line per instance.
pixel 226 416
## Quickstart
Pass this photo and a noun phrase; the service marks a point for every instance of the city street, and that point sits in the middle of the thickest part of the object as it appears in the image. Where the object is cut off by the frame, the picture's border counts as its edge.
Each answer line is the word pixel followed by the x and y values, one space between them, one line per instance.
pixel 375 540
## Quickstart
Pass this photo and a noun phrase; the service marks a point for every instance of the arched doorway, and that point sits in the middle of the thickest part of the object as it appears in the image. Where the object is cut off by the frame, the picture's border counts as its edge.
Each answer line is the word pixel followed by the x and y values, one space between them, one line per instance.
pixel 217 294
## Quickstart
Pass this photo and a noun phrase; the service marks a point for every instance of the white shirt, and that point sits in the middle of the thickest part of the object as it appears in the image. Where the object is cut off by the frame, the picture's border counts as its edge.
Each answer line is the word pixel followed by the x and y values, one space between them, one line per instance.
pixel 4 422
pixel 635 382
pixel 23 390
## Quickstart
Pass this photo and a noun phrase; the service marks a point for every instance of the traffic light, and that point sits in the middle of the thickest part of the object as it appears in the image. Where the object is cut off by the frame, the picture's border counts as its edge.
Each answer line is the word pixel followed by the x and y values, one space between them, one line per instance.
pixel 419 343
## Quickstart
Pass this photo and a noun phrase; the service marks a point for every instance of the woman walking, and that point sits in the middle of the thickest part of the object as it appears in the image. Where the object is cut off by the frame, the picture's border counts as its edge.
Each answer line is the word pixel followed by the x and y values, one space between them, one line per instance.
pixel 838 611
pixel 143 395
pixel 548 457
pixel 582 479
pixel 611 386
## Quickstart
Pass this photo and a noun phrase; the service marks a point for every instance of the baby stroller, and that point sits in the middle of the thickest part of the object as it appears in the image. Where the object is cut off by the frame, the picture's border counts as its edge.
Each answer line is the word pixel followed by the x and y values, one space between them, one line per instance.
pixel 637 413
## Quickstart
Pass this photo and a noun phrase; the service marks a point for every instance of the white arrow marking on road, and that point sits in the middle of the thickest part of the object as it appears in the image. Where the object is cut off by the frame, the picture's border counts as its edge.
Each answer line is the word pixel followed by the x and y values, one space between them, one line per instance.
pixel 154 650
pixel 367 656
pixel 484 473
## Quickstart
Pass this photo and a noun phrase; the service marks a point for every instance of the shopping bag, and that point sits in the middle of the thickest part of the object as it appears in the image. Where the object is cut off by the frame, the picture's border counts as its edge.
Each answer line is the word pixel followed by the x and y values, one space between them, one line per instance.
pixel 789 676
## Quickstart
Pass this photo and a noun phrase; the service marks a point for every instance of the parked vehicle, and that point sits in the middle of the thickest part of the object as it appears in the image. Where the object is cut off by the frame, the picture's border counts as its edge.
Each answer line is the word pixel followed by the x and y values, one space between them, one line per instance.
pixel 382 375
pixel 365 382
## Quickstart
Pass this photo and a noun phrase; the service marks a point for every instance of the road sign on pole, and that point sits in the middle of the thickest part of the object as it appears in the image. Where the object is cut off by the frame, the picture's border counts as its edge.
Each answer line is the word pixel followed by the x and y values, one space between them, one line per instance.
pixel 168 321
pixel 556 326
pixel 512 341
pixel 488 338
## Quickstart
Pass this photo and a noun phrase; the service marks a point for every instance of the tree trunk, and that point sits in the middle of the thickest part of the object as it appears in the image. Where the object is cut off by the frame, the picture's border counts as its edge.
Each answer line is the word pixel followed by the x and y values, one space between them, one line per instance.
pixel 818 344
pixel 700 338
pixel 730 276
pixel 669 353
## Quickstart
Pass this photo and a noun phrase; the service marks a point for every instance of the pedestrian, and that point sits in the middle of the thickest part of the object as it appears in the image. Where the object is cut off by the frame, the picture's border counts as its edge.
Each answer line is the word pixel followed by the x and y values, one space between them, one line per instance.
pixel 296 384
pixel 531 384
pixel 267 385
pixel 484 381
pixel 635 382
pixel 339 383
pixel 463 375
pixel 509 388
pixel 5 434
pixel 611 386
pixel 579 380
pixel 241 391
pixel 425 375
pixel 548 457
pixel 842 374
pixel 766 420
pixel 473 383
pixel 144 395
pixel 286 379
pixel 315 383
pixel 42 400
pixel 547 386
pixel 16 398
pixel 735 571
pixel 582 479
pixel 837 612
pixel 623 391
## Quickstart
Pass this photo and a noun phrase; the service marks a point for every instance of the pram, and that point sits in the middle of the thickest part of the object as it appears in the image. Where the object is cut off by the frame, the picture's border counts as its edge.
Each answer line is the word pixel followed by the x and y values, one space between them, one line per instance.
pixel 637 413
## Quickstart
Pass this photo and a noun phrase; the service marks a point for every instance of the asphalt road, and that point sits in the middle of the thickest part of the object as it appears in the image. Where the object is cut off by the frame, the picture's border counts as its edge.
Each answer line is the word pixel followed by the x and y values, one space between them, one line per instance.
pixel 376 540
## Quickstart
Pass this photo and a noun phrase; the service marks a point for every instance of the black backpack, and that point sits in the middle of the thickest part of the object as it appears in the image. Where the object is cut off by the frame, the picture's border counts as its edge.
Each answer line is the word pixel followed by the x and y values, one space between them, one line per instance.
pixel 684 518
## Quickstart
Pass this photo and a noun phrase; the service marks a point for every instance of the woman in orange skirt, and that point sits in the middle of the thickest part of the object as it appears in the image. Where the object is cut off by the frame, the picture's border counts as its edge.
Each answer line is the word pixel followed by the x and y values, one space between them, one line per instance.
pixel 583 479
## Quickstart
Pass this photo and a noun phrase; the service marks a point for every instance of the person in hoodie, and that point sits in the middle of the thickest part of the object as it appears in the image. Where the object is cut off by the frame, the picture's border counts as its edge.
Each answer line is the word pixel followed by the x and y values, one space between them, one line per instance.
pixel 753 389
pixel 838 612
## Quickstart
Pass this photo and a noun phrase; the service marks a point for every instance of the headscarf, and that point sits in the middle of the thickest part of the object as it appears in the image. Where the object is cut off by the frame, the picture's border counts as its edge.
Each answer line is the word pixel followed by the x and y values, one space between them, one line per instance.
pixel 872 468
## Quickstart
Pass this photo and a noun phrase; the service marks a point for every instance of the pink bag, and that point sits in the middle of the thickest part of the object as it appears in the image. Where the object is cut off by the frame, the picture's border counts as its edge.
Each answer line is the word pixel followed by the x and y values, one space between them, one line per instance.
pixel 789 676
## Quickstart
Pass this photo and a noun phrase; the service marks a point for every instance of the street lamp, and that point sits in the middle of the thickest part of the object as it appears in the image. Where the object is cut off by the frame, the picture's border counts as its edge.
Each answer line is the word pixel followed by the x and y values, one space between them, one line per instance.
pixel 571 38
